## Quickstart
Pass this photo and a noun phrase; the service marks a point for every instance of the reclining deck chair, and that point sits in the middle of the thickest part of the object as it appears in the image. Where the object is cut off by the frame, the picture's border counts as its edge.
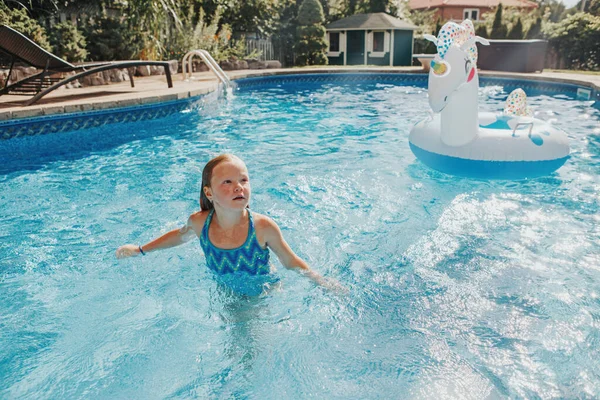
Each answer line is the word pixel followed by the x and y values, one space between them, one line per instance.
pixel 17 48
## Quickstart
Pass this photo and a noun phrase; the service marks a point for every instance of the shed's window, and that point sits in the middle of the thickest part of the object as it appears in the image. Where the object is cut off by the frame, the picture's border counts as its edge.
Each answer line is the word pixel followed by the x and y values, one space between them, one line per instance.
pixel 334 41
pixel 378 38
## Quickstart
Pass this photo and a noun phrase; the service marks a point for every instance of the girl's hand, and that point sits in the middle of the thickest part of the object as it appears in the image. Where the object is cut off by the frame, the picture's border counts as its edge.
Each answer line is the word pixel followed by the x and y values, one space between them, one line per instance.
pixel 333 286
pixel 129 250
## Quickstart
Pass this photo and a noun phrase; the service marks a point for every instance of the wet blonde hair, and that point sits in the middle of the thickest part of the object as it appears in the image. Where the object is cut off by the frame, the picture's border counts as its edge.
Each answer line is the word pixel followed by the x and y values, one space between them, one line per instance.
pixel 205 204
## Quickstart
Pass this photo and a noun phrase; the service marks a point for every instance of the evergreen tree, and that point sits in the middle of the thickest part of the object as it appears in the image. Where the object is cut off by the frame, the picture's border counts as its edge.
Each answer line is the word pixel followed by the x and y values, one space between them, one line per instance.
pixel 517 31
pixel 284 38
pixel 432 48
pixel 376 6
pixel 593 7
pixel 311 45
pixel 351 7
pixel 108 39
pixel 19 20
pixel 535 29
pixel 68 42
pixel 498 28
pixel 481 31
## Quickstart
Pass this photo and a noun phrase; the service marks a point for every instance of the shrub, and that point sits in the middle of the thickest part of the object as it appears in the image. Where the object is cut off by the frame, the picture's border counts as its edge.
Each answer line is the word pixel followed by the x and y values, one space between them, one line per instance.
pixel 481 31
pixel 535 30
pixel 498 28
pixel 19 20
pixel 311 44
pixel 68 42
pixel 516 31
pixel 108 39
pixel 218 42
pixel 576 40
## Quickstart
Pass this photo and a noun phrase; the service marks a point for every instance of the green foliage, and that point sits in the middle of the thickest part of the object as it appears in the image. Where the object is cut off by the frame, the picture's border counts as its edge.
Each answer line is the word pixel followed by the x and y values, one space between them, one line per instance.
pixel 19 20
pixel 553 10
pixel 206 36
pixel 593 7
pixel 481 31
pixel 68 42
pixel 510 17
pixel 151 22
pixel 284 37
pixel 516 32
pixel 310 13
pixel 535 30
pixel 422 45
pixel 499 30
pixel 109 39
pixel 311 44
pixel 250 15
pixel 376 6
pixel 425 21
pixel 351 7
pixel 576 39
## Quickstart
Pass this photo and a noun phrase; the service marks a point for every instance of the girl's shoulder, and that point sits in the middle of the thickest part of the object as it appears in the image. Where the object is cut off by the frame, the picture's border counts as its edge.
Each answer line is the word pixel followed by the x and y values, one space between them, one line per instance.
pixel 198 219
pixel 263 222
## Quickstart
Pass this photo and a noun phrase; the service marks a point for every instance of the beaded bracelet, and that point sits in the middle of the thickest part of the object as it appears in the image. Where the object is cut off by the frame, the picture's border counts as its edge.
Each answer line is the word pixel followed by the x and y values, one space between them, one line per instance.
pixel 141 251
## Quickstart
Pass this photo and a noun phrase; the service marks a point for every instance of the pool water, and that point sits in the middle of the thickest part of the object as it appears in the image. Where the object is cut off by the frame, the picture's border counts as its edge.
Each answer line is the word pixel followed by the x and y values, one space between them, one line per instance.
pixel 459 288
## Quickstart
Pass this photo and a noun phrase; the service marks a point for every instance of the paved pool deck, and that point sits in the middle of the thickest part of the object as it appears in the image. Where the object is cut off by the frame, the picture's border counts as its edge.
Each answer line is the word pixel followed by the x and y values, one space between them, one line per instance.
pixel 154 89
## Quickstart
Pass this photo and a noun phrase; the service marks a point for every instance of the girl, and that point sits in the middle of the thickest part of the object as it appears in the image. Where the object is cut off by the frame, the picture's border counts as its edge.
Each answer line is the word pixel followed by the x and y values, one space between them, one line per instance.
pixel 233 238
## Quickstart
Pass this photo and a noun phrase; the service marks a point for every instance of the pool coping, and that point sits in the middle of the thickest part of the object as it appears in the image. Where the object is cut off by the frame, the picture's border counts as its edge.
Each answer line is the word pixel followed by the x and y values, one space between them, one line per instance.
pixel 207 83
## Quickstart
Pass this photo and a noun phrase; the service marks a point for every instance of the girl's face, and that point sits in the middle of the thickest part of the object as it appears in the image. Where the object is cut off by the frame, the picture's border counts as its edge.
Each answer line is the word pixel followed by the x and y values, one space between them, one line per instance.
pixel 229 185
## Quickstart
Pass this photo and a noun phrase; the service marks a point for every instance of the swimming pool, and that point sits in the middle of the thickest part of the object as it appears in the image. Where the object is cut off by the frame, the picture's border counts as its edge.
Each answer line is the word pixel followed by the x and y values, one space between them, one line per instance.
pixel 459 288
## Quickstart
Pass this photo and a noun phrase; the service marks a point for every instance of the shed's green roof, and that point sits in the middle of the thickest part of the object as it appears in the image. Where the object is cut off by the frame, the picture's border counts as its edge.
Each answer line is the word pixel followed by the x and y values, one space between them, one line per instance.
pixel 370 21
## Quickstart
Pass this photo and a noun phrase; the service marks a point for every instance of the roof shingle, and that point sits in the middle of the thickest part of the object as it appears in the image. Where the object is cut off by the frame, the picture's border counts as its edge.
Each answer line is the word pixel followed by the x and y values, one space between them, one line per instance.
pixel 370 21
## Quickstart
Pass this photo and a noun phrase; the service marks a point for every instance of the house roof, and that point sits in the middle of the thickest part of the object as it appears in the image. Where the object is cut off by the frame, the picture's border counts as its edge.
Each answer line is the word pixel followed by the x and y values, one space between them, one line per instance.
pixel 424 4
pixel 370 21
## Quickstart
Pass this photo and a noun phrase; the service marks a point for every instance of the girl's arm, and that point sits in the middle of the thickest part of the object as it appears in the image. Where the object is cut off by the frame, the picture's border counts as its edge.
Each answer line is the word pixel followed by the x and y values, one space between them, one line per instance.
pixel 274 239
pixel 169 239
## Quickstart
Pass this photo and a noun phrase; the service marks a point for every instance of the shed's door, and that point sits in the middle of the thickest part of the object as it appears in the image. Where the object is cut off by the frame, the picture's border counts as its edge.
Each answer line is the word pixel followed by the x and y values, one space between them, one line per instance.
pixel 356 47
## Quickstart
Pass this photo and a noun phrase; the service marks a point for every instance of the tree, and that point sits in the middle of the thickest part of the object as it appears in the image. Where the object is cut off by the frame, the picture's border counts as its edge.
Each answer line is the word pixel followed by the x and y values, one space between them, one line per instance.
pixel 535 29
pixel 151 22
pixel 481 31
pixel 350 7
pixel 258 16
pixel 284 38
pixel 516 31
pixel 108 39
pixel 19 20
pixel 576 39
pixel 498 28
pixel 593 7
pixel 376 6
pixel 68 42
pixel 311 45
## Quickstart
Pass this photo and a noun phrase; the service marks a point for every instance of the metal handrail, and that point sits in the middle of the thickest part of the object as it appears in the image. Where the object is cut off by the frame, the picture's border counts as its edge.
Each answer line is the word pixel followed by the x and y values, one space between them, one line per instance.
pixel 210 63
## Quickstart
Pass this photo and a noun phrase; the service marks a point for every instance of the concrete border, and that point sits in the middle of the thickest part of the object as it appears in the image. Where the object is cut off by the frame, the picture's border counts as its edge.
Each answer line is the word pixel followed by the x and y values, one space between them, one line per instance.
pixel 151 89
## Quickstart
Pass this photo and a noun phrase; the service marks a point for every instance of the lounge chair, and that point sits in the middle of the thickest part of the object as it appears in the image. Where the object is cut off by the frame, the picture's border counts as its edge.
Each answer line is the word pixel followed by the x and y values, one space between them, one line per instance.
pixel 17 48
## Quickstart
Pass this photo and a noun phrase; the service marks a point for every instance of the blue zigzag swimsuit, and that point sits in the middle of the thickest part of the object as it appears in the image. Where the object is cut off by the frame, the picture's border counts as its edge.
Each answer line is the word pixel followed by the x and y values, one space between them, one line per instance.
pixel 249 257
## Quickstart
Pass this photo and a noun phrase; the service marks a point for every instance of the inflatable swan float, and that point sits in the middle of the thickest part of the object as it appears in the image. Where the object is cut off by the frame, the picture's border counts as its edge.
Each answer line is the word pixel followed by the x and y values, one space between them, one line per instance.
pixel 460 140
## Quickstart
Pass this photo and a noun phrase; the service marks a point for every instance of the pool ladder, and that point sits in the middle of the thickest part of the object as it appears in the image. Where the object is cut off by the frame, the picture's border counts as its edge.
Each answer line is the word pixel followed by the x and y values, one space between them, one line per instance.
pixel 210 63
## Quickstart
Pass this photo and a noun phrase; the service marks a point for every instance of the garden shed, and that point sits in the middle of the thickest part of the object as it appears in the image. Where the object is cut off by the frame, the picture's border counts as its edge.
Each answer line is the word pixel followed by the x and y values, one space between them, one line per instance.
pixel 370 39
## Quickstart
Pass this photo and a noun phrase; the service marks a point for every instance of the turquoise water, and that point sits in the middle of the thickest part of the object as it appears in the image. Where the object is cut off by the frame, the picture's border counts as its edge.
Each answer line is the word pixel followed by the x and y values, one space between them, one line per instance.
pixel 458 288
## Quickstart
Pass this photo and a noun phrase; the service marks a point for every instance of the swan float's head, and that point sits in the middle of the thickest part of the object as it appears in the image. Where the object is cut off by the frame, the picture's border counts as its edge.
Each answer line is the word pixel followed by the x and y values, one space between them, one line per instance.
pixel 455 63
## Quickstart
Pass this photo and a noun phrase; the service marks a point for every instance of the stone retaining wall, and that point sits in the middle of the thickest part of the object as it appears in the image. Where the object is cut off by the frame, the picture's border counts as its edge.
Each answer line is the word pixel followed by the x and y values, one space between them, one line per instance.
pixel 120 75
